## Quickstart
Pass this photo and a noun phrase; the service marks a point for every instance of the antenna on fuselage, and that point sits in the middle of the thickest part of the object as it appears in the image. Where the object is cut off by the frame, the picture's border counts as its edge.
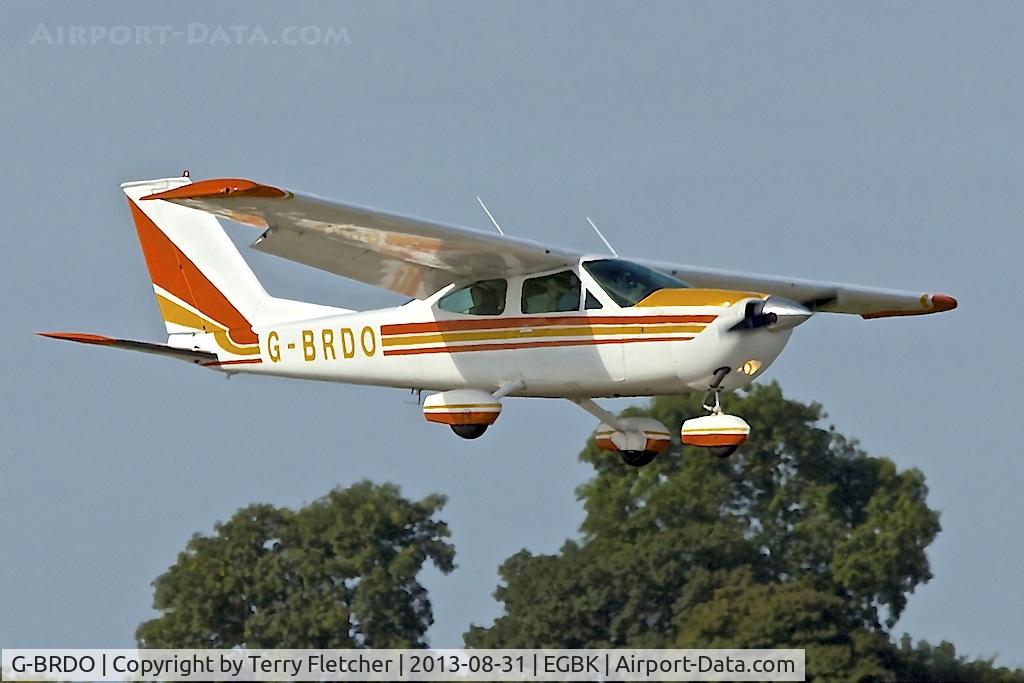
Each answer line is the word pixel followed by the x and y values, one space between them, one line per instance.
pixel 606 242
pixel 484 207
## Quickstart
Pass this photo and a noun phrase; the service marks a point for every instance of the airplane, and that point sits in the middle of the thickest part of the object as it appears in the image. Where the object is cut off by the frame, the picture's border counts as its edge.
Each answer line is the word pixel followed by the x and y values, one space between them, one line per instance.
pixel 491 316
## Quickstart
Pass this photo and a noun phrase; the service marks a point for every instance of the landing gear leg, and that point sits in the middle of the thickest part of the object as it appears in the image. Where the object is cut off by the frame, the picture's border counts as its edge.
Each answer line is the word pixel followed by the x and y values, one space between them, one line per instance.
pixel 715 391
pixel 715 388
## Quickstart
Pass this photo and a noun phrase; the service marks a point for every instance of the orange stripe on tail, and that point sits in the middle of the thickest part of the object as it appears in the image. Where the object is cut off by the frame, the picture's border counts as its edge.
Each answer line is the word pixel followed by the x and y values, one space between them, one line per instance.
pixel 171 270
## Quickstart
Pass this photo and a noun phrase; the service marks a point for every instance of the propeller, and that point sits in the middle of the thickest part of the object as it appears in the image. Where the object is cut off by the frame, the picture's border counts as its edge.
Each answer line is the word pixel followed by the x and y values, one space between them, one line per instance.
pixel 773 313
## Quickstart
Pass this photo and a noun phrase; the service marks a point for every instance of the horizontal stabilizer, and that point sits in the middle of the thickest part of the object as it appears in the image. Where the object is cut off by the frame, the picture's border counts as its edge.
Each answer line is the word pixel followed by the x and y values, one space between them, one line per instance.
pixel 197 357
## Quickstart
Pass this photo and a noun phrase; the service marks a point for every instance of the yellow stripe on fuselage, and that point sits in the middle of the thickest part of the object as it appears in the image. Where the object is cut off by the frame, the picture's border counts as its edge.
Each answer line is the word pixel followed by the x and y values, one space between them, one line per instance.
pixel 576 331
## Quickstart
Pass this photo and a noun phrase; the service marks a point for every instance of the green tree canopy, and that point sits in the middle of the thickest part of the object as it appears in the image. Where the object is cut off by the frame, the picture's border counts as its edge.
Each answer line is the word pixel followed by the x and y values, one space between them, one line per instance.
pixel 924 662
pixel 801 539
pixel 340 572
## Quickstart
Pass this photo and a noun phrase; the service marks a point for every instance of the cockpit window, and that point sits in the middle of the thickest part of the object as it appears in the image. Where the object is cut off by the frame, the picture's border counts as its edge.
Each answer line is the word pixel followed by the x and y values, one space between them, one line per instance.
pixel 628 283
pixel 552 293
pixel 486 297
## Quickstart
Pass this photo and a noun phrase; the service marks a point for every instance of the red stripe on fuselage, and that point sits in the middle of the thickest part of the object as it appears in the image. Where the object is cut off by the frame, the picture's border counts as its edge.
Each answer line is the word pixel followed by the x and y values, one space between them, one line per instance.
pixel 501 323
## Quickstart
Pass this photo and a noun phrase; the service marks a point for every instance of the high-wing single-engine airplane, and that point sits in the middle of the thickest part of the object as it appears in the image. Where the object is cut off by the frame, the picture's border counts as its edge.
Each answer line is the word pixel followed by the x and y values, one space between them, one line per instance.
pixel 492 316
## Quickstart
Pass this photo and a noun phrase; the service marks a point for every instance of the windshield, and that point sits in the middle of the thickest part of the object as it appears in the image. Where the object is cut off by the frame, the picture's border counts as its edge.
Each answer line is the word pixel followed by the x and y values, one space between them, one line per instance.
pixel 628 283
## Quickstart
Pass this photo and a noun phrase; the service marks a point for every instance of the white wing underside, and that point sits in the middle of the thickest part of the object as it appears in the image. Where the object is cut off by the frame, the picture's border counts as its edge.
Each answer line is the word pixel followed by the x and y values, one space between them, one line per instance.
pixel 416 257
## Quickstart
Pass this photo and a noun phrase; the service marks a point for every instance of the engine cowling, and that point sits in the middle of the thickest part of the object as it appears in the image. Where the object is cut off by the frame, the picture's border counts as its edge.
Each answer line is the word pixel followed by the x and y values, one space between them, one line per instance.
pixel 641 434
pixel 462 407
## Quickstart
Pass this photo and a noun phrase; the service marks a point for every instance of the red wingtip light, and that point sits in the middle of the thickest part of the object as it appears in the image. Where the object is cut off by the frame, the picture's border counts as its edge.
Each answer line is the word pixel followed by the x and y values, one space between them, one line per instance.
pixel 943 302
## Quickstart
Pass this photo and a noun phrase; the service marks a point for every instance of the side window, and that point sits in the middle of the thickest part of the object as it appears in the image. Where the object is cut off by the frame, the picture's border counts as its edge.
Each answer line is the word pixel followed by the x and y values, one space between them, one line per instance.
pixel 592 302
pixel 486 297
pixel 552 293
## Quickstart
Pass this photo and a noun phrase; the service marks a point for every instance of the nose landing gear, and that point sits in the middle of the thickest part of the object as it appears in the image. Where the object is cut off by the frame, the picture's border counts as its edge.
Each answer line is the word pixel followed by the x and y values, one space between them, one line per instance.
pixel 720 433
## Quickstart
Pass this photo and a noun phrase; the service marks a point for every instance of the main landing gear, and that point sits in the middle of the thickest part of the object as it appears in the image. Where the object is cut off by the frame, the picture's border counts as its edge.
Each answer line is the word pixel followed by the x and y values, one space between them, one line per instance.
pixel 469 412
pixel 637 440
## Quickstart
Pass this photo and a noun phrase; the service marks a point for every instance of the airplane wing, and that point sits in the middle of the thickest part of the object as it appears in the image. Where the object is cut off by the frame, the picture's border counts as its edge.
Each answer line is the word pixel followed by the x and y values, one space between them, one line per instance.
pixel 416 258
pixel 407 255
pixel 828 297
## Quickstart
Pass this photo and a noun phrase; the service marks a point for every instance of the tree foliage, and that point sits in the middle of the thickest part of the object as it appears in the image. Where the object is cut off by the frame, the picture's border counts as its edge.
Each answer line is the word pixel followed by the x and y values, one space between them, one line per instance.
pixel 801 539
pixel 340 572
pixel 925 662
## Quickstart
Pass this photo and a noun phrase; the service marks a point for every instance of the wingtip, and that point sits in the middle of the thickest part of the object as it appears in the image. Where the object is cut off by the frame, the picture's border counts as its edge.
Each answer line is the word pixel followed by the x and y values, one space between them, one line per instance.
pixel 943 302
pixel 79 337
pixel 931 303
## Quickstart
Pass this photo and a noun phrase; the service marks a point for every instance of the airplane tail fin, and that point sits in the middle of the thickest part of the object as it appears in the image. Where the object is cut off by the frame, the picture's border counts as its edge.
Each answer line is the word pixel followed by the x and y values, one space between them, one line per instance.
pixel 204 288
pixel 210 300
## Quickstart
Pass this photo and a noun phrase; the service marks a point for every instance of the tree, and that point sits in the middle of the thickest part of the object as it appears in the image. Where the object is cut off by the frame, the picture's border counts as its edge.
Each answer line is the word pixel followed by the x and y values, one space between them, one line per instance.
pixel 924 662
pixel 733 609
pixel 801 539
pixel 340 572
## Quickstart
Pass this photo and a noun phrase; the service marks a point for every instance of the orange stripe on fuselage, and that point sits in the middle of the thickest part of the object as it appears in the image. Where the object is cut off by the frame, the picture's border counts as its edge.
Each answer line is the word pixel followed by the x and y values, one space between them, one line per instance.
pixel 173 271
pixel 501 323
pixel 463 348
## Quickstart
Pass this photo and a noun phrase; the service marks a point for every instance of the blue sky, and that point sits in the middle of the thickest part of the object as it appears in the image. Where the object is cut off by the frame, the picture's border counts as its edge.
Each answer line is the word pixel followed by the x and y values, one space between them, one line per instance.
pixel 878 143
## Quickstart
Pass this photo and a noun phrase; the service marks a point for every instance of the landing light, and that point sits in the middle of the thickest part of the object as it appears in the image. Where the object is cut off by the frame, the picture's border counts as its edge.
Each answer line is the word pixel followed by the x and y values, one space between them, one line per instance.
pixel 750 367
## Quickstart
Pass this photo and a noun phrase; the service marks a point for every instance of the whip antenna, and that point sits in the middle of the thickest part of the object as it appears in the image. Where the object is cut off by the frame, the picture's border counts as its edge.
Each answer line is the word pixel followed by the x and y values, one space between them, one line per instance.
pixel 484 207
pixel 606 242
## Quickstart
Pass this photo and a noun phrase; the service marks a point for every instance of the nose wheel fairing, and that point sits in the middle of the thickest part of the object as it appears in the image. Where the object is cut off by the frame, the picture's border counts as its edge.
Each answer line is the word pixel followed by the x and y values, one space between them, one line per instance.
pixel 715 431
pixel 719 432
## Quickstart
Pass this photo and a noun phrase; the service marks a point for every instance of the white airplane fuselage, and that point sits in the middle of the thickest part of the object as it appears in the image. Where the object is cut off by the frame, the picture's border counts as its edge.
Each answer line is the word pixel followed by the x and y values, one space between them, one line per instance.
pixel 636 351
